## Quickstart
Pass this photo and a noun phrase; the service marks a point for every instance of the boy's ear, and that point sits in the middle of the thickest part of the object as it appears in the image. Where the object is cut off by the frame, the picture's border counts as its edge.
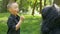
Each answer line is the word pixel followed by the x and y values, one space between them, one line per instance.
pixel 9 9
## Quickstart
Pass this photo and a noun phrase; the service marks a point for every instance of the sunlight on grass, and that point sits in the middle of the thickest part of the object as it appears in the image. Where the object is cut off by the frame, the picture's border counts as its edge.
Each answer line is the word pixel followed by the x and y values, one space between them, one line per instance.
pixel 31 24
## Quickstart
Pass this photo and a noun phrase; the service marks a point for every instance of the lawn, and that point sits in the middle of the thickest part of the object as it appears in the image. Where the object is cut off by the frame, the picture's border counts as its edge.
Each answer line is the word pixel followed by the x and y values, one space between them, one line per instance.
pixel 30 25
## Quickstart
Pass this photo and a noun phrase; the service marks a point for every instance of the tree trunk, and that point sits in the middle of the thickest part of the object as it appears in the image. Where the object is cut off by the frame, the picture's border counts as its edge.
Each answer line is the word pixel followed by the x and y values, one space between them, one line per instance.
pixel 40 7
pixel 4 5
pixel 34 7
pixel 44 2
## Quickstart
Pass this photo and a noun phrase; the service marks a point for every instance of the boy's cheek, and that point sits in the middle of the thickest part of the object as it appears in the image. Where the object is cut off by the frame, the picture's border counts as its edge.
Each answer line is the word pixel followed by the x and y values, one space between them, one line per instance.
pixel 14 10
pixel 17 10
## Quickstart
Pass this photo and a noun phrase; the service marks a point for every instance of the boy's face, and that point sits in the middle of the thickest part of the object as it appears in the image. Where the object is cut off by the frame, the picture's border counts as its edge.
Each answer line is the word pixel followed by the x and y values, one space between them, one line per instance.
pixel 14 8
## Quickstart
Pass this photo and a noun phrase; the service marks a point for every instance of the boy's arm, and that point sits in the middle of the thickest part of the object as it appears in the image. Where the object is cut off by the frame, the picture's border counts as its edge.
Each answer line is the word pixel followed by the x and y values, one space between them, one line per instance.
pixel 19 23
pixel 12 26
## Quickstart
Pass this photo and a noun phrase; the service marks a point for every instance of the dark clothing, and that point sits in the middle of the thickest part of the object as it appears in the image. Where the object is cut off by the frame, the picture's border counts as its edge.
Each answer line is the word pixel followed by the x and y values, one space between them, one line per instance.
pixel 12 21
pixel 51 19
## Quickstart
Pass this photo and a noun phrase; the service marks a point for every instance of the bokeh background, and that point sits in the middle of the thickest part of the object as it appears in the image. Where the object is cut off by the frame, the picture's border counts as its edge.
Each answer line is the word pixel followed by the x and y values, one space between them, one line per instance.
pixel 31 9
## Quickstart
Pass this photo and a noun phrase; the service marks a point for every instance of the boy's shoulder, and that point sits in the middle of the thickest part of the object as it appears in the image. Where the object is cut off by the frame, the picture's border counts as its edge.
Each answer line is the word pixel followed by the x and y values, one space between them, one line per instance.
pixel 13 17
pixel 10 17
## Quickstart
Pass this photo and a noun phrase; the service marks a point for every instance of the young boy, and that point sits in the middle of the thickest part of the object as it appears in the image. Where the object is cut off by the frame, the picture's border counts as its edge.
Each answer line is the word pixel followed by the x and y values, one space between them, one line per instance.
pixel 14 20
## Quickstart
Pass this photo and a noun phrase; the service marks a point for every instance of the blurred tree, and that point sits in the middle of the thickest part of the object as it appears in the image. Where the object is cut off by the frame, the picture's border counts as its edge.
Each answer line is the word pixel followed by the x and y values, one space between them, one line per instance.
pixel 34 7
pixel 37 5
pixel 57 2
pixel 4 5
pixel 1 6
pixel 44 2
pixel 40 7
pixel 23 5
pixel 50 2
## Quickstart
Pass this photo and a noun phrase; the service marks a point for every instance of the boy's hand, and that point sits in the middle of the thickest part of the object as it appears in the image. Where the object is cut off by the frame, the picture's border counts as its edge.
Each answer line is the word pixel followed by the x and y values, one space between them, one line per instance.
pixel 19 23
pixel 21 18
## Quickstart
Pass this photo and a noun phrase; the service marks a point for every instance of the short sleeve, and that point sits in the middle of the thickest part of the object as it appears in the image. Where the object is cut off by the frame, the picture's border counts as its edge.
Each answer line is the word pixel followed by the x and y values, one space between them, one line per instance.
pixel 11 24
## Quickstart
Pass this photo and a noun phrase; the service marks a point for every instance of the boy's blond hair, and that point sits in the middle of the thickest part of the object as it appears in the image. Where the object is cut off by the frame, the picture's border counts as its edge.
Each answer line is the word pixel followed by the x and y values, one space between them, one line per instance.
pixel 9 4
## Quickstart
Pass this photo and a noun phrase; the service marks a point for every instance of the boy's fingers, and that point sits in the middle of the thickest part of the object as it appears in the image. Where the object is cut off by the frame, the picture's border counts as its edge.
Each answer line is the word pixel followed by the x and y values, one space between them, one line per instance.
pixel 22 18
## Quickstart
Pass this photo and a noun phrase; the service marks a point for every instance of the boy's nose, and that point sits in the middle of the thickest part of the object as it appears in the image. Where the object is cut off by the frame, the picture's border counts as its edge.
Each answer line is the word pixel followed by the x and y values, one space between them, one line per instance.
pixel 17 9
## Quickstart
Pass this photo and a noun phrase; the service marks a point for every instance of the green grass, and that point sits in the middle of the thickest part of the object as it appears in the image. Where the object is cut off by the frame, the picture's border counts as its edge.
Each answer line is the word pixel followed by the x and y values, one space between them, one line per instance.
pixel 31 25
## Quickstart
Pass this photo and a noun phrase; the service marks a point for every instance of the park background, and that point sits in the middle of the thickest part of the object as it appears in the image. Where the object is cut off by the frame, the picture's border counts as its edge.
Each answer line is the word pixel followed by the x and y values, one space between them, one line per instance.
pixel 31 9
